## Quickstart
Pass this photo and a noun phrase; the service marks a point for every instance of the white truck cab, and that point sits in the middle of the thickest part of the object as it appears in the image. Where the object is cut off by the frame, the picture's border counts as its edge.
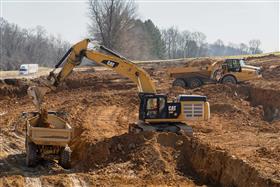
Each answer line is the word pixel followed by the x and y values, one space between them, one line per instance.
pixel 26 69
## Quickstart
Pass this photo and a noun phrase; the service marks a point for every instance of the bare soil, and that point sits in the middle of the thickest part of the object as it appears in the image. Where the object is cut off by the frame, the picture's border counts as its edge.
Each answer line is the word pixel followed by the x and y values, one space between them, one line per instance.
pixel 239 146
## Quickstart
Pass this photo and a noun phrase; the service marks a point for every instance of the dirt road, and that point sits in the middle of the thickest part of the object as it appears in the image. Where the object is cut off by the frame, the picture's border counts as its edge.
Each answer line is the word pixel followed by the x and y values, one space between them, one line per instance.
pixel 240 146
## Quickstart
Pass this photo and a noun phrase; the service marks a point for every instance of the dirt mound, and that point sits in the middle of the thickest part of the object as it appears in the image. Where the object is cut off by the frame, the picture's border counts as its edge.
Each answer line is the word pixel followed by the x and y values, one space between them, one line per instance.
pixel 96 80
pixel 224 107
pixel 272 72
pixel 200 62
pixel 262 58
pixel 143 151
pixel 270 66
pixel 7 91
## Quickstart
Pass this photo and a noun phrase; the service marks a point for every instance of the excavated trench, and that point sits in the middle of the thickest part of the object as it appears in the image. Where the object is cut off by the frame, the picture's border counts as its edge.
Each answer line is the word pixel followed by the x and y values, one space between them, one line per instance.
pixel 169 153
pixel 268 98
pixel 270 101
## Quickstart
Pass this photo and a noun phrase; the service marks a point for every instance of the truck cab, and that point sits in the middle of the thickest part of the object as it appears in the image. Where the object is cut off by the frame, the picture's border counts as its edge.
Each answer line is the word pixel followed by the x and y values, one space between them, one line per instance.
pixel 26 69
pixel 238 69
pixel 23 70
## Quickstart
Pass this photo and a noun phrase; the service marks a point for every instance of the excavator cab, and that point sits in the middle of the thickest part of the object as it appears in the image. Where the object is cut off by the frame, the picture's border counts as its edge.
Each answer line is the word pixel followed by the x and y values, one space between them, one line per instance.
pixel 155 106
pixel 157 114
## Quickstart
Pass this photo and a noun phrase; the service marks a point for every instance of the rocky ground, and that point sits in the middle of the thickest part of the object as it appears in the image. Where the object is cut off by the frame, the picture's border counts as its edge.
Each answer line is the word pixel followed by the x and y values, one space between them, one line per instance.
pixel 239 146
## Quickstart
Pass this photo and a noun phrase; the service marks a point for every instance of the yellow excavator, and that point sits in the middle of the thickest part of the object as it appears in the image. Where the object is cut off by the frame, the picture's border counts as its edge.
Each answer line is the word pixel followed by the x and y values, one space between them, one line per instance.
pixel 156 113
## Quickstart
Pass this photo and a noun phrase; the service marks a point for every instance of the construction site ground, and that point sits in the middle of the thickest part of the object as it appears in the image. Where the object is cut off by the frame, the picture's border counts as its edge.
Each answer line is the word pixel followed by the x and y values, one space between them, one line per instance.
pixel 239 146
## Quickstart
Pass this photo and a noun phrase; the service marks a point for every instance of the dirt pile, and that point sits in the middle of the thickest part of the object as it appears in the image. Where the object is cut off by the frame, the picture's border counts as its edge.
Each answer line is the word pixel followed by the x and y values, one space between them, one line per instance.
pixel 262 58
pixel 9 91
pixel 97 81
pixel 201 62
pixel 270 66
pixel 142 151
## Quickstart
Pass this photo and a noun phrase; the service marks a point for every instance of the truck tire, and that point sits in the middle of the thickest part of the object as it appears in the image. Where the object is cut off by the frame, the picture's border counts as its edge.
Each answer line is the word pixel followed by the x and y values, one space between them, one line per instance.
pixel 65 158
pixel 179 82
pixel 228 79
pixel 31 154
pixel 194 83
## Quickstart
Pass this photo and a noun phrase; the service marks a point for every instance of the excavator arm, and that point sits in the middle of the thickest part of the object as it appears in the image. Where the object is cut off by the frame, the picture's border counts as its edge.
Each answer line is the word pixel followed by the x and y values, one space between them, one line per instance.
pixel 105 57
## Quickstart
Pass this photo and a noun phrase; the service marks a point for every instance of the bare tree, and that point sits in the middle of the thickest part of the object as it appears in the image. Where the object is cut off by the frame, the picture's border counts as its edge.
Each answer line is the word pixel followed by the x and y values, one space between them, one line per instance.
pixel 254 46
pixel 110 19
pixel 171 38
pixel 20 46
pixel 243 49
pixel 193 44
pixel 200 39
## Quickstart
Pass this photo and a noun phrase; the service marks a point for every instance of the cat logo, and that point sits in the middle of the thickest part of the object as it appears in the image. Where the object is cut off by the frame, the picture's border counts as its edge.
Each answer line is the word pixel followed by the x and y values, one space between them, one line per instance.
pixel 171 109
pixel 110 63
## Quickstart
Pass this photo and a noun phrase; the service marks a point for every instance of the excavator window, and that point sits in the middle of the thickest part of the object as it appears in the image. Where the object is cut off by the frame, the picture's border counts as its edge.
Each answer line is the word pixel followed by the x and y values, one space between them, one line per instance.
pixel 156 107
pixel 152 108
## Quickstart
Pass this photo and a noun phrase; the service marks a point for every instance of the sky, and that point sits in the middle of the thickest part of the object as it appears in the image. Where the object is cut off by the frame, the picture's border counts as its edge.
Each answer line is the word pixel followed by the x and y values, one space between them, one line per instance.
pixel 233 21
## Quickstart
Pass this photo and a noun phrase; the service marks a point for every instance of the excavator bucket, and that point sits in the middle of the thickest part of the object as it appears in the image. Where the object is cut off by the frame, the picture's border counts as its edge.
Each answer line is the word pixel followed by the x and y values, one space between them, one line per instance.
pixel 37 94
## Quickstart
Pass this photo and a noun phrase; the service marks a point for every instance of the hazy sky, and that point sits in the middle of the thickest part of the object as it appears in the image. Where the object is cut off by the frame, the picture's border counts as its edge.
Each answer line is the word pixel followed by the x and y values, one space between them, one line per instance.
pixel 231 21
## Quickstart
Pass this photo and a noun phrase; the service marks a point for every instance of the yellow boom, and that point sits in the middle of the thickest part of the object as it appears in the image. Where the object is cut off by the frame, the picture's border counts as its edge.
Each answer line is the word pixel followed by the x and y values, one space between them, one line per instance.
pixel 113 61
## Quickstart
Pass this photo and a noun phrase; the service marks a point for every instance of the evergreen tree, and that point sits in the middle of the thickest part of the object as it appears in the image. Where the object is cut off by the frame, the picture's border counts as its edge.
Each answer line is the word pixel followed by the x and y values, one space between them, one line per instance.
pixel 158 45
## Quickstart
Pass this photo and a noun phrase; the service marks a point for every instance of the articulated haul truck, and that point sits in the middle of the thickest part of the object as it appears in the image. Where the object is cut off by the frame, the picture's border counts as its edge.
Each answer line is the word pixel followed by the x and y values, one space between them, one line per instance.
pixel 230 71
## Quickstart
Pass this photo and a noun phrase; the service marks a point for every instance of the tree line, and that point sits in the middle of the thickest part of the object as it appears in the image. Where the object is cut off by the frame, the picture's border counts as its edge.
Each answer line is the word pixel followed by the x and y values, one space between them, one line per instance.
pixel 114 23
pixel 28 46
pixel 193 44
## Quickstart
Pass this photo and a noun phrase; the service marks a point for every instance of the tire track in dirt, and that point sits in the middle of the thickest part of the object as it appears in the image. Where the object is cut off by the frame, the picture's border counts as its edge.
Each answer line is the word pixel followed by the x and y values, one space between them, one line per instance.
pixel 12 144
pixel 103 121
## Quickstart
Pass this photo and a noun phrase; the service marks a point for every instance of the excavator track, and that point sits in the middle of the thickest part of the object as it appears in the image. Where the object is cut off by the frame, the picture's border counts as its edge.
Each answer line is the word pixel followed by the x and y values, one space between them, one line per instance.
pixel 178 128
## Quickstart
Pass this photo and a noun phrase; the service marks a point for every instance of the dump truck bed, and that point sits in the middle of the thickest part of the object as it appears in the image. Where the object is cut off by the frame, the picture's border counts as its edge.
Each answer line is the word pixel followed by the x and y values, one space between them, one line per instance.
pixel 59 134
pixel 184 72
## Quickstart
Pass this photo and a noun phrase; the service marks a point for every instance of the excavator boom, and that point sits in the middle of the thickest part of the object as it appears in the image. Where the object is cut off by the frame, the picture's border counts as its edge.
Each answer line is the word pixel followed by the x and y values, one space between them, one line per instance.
pixel 111 60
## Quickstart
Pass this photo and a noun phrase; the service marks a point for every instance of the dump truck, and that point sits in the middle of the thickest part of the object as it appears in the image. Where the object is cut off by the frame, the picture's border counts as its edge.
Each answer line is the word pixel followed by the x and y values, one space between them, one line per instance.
pixel 48 142
pixel 229 71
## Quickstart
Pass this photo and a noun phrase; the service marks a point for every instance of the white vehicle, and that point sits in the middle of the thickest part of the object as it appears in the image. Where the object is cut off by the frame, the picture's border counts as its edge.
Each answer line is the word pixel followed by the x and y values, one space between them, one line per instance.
pixel 26 69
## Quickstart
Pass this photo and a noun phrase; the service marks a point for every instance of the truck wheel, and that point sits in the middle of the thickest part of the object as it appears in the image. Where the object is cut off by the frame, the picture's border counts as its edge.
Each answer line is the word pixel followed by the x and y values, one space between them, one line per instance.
pixel 65 158
pixel 179 82
pixel 31 154
pixel 194 83
pixel 229 80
